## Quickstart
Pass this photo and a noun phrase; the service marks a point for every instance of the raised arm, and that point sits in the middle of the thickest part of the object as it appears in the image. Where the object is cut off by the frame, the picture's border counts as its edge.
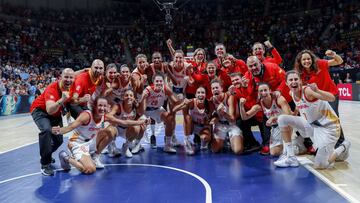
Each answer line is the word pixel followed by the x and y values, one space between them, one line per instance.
pixel 170 73
pixel 315 93
pixel 276 56
pixel 231 116
pixel 53 106
pixel 336 59
pixel 245 115
pixel 142 107
pixel 170 47
pixel 136 81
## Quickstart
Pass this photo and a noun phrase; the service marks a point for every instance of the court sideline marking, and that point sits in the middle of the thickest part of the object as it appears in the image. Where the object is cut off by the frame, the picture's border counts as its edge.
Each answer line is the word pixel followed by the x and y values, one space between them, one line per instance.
pixel 208 192
pixel 332 185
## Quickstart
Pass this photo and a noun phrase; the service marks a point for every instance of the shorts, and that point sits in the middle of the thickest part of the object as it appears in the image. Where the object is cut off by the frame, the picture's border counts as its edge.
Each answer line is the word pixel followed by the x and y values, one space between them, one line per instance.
pixel 80 149
pixel 155 114
pixel 275 138
pixel 221 131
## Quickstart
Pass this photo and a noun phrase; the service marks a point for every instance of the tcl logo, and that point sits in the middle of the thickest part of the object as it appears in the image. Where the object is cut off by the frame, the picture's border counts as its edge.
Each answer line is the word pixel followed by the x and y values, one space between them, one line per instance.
pixel 345 91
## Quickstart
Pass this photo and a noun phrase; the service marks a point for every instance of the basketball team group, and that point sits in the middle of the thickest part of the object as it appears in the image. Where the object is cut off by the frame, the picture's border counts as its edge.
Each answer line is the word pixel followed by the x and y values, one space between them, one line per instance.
pixel 220 101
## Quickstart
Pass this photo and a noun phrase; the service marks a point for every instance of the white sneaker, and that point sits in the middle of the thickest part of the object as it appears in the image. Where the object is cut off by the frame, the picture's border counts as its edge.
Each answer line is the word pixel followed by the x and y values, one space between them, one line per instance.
pixel 345 154
pixel 113 150
pixel 64 160
pixel 96 159
pixel 188 148
pixel 175 142
pixel 281 157
pixel 126 150
pixel 105 150
pixel 137 147
pixel 169 148
pixel 287 162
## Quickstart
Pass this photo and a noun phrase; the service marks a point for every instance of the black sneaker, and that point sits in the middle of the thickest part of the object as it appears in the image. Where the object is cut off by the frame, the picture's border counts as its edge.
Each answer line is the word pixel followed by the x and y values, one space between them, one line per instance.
pixel 153 141
pixel 46 170
pixel 197 140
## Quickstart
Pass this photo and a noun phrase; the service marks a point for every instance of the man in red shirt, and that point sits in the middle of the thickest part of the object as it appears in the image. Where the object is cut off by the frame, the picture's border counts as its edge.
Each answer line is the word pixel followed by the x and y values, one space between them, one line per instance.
pixel 258 50
pixel 271 74
pixel 84 86
pixel 240 89
pixel 46 112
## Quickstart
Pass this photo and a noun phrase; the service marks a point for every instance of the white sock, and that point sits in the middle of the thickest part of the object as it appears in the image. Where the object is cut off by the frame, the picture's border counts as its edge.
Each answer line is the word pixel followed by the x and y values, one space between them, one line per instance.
pixel 289 149
pixel 284 148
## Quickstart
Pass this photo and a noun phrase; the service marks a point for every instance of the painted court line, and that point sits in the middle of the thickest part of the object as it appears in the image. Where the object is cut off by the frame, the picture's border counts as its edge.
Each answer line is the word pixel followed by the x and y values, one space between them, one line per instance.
pixel 18 147
pixel 208 191
pixel 203 181
pixel 334 186
pixel 19 177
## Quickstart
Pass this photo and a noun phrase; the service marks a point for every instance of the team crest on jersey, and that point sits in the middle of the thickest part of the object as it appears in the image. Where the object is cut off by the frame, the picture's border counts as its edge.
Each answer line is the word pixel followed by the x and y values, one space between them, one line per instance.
pixel 303 106
pixel 94 129
pixel 78 88
pixel 52 97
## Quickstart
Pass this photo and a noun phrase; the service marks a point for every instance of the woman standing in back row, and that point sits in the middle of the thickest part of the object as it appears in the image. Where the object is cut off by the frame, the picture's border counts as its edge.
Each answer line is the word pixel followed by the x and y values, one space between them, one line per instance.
pixel 315 70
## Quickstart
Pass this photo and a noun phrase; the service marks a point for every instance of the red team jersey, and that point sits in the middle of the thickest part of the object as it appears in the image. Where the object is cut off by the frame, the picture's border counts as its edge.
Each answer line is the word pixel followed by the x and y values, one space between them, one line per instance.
pixel 275 59
pixel 198 75
pixel 250 97
pixel 274 76
pixel 238 67
pixel 51 93
pixel 322 78
pixel 84 84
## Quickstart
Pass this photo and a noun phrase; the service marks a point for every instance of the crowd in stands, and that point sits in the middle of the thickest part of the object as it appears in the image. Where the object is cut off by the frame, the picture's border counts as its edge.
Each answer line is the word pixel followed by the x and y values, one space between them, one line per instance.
pixel 36 44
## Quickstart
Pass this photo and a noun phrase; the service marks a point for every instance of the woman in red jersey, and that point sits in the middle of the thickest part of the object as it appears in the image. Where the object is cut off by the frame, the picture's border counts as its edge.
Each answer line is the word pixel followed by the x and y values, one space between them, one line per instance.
pixel 315 70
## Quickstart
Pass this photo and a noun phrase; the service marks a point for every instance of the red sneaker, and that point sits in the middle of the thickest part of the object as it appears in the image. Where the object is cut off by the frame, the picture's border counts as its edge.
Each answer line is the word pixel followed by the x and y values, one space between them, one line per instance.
pixel 311 150
pixel 265 150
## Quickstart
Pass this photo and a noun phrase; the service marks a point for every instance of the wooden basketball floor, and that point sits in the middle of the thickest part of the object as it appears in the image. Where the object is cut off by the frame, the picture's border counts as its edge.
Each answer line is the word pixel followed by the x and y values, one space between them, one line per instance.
pixel 18 144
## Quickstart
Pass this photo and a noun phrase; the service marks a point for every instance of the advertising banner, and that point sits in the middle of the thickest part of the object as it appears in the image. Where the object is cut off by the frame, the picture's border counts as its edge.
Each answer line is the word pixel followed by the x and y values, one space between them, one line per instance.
pixel 345 91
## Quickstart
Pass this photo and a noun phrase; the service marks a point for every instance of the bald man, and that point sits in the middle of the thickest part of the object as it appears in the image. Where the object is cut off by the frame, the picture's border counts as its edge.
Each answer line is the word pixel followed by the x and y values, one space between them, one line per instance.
pixel 84 86
pixel 46 111
pixel 272 74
